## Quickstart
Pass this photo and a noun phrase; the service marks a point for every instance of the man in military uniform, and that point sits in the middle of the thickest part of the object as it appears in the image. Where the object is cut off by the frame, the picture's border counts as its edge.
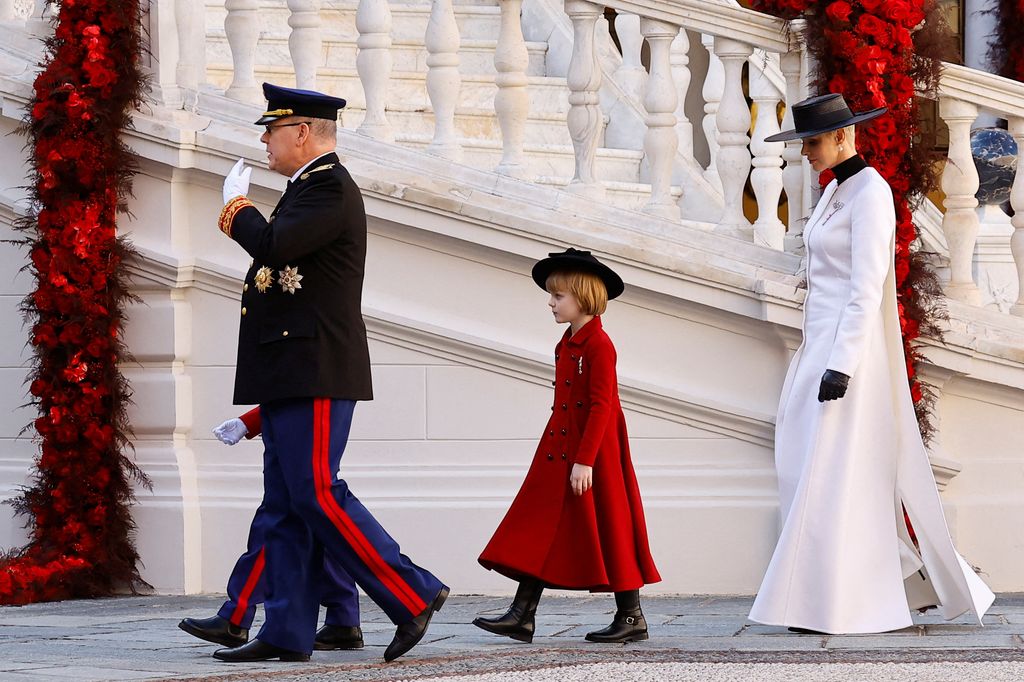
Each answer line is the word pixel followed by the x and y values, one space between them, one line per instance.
pixel 303 357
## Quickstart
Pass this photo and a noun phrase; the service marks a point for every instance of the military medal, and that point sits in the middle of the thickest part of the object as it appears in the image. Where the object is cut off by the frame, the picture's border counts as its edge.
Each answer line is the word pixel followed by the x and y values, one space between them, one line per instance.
pixel 263 279
pixel 289 279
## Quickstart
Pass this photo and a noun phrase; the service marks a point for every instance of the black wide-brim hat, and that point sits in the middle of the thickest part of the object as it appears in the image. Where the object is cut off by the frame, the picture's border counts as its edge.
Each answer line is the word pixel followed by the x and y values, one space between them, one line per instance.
pixel 283 102
pixel 821 114
pixel 572 260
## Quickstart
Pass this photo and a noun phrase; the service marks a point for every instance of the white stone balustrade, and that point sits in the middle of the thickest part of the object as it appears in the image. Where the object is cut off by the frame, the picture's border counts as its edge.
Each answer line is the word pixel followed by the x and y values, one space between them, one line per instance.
pixel 714 86
pixel 660 100
pixel 189 22
pixel 1016 125
pixel 305 43
pixel 679 58
pixel 7 13
pixel 584 79
pixel 733 122
pixel 960 183
pixel 443 79
pixel 243 31
pixel 512 101
pixel 373 63
pixel 793 173
pixel 631 75
pixel 766 176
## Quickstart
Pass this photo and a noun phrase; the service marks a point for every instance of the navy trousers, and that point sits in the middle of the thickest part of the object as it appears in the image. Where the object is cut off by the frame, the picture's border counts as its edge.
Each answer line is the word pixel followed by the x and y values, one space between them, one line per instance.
pixel 247 584
pixel 311 511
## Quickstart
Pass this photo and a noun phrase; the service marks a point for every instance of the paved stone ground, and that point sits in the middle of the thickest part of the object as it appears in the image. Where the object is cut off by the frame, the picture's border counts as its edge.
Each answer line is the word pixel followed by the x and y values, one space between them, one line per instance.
pixel 692 638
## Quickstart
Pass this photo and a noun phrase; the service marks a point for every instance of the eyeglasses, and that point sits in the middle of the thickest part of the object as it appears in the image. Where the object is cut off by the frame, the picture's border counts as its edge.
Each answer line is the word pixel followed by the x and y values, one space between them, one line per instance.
pixel 270 129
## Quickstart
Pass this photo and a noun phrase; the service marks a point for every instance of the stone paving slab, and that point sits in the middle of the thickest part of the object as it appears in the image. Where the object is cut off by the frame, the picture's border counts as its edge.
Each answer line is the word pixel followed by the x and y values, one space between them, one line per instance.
pixel 136 638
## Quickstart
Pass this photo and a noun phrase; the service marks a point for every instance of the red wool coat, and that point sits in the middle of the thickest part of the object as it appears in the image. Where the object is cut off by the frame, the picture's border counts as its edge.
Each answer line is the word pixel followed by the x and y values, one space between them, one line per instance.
pixel 597 541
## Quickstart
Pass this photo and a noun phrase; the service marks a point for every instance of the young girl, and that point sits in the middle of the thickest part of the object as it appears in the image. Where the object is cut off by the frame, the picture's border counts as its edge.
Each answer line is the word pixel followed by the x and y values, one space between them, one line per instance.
pixel 577 522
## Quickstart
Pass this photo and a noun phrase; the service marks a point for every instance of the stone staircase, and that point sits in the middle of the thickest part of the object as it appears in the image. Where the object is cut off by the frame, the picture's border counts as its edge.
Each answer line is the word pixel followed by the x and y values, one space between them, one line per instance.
pixel 548 149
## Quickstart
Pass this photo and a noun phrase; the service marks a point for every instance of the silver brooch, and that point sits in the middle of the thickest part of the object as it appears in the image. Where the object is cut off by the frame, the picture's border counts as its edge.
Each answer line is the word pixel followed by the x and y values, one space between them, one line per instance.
pixel 289 279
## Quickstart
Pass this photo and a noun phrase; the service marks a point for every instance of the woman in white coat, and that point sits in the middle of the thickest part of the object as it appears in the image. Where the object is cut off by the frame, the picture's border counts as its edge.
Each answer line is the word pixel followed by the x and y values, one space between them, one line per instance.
pixel 848 451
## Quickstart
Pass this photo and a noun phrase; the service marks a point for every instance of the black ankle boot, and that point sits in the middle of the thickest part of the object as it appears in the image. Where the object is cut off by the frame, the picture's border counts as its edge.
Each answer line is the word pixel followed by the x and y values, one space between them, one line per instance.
pixel 628 625
pixel 517 622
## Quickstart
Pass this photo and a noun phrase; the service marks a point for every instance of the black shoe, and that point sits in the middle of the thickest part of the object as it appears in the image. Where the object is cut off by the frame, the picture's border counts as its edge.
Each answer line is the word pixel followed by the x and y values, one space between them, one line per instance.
pixel 411 632
pixel 629 624
pixel 518 621
pixel 217 630
pixel 331 637
pixel 805 631
pixel 258 651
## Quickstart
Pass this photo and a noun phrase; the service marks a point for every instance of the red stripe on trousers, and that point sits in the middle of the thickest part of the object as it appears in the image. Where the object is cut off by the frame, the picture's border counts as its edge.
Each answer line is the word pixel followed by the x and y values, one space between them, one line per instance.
pixel 343 522
pixel 250 585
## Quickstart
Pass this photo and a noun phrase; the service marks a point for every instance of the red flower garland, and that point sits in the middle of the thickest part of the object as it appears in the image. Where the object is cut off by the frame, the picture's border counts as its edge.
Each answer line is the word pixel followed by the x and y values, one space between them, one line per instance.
pixel 1007 50
pixel 876 53
pixel 77 503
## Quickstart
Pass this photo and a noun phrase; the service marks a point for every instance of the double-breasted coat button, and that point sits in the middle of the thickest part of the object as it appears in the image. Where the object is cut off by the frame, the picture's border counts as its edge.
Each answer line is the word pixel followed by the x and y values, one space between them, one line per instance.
pixel 579 403
pixel 564 406
pixel 553 383
pixel 564 432
pixel 550 456
pixel 551 433
pixel 557 356
pixel 568 383
pixel 563 456
pixel 243 312
pixel 245 287
pixel 284 333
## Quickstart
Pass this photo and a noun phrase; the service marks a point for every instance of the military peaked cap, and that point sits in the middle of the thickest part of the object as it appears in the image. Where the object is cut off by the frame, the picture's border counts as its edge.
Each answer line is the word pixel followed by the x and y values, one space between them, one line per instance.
pixel 282 102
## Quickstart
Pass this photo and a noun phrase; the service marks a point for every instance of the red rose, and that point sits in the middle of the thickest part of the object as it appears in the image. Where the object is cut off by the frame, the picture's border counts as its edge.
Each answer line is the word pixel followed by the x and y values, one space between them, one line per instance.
pixel 839 12
pixel 871 5
pixel 895 11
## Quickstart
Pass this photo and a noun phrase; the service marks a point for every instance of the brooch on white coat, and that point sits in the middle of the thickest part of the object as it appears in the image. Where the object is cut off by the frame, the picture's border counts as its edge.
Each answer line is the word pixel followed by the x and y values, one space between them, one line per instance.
pixel 289 279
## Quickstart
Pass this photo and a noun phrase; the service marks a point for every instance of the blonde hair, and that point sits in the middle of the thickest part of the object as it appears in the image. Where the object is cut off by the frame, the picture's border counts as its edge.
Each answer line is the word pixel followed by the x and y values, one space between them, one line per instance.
pixel 587 288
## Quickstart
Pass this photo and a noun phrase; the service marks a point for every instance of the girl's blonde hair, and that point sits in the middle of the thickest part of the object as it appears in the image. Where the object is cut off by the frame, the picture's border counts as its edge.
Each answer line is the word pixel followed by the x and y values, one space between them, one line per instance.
pixel 589 291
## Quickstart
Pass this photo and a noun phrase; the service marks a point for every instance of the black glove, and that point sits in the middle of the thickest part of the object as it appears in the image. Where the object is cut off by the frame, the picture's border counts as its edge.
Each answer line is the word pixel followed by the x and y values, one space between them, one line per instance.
pixel 833 385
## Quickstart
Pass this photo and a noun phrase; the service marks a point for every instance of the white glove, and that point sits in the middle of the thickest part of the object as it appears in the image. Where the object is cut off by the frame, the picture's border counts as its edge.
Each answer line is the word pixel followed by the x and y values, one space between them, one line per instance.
pixel 236 184
pixel 231 431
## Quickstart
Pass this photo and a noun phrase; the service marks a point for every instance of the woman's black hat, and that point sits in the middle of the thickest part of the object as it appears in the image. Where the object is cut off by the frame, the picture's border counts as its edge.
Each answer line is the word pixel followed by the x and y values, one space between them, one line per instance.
pixel 572 260
pixel 821 114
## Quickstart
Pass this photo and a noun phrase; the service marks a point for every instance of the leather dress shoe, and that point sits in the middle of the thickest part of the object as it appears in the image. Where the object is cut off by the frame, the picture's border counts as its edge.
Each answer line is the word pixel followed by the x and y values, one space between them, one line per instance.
pixel 258 651
pixel 805 631
pixel 410 633
pixel 331 637
pixel 217 630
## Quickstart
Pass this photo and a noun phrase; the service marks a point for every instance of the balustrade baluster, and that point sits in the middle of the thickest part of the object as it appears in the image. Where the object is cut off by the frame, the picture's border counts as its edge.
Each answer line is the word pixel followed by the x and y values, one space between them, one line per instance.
pixel 793 174
pixel 766 175
pixel 373 62
pixel 960 183
pixel 584 80
pixel 714 85
pixel 1017 202
pixel 443 79
pixel 191 27
pixel 631 75
pixel 38 23
pixel 7 13
pixel 660 141
pixel 679 58
pixel 733 121
pixel 512 101
pixel 304 42
pixel 243 32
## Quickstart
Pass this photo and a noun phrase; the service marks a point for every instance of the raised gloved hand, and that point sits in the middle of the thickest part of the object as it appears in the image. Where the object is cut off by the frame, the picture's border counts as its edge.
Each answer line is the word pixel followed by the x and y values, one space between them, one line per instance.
pixel 231 431
pixel 236 184
pixel 833 385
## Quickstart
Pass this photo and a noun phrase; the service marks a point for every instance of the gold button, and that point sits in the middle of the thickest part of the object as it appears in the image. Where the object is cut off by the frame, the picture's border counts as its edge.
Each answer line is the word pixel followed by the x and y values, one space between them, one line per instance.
pixel 245 287
pixel 243 311
pixel 284 333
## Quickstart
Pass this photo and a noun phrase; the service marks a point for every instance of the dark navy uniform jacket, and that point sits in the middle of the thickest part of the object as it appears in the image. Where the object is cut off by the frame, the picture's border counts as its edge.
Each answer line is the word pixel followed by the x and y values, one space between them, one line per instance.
pixel 301 332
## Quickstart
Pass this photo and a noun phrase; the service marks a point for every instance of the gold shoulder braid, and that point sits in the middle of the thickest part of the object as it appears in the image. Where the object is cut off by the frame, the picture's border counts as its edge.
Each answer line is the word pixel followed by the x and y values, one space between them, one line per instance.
pixel 227 214
pixel 326 166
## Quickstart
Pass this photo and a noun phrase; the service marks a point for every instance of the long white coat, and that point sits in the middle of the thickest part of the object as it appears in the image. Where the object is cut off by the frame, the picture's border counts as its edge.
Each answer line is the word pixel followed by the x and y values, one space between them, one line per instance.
pixel 844 562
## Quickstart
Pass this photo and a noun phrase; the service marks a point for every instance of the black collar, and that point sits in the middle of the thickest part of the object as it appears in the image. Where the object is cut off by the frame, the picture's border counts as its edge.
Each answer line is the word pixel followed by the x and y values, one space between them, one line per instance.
pixel 849 168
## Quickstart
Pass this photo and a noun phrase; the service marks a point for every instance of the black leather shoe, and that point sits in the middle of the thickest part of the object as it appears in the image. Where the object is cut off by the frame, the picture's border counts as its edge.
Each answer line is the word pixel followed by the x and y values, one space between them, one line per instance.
pixel 805 631
pixel 518 621
pixel 217 630
pixel 410 633
pixel 629 624
pixel 258 651
pixel 331 637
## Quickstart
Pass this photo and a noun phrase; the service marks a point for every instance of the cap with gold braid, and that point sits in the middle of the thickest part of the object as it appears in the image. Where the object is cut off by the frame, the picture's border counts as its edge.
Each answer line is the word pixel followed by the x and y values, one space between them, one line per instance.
pixel 282 102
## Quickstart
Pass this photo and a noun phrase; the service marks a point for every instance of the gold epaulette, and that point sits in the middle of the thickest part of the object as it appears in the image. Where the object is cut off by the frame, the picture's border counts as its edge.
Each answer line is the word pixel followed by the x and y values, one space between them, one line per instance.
pixel 227 214
pixel 326 166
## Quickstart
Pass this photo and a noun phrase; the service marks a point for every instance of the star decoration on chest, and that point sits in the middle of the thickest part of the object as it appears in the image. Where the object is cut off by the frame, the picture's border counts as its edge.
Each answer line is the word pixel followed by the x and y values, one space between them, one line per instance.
pixel 289 279
pixel 263 279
